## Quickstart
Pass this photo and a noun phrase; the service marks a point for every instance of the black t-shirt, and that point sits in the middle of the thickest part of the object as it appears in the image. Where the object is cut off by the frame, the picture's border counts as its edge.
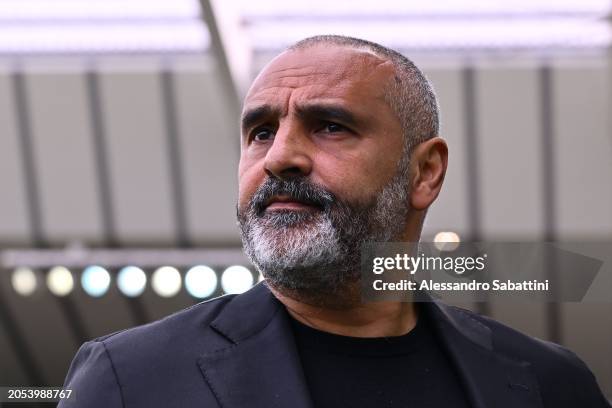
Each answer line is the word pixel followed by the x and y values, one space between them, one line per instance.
pixel 403 371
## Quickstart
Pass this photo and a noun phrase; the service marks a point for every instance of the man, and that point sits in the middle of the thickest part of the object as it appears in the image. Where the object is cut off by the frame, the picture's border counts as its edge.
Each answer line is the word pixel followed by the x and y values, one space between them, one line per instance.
pixel 339 147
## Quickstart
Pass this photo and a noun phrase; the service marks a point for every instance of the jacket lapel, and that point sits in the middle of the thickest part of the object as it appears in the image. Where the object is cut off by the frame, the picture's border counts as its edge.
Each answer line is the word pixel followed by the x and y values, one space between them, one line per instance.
pixel 260 367
pixel 490 379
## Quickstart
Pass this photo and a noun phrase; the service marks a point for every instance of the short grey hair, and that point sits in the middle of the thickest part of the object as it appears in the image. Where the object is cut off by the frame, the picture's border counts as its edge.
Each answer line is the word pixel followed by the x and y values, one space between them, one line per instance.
pixel 410 94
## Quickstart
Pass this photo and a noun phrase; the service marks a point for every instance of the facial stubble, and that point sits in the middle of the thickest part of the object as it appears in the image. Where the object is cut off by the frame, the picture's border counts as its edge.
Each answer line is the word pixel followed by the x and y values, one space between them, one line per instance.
pixel 314 254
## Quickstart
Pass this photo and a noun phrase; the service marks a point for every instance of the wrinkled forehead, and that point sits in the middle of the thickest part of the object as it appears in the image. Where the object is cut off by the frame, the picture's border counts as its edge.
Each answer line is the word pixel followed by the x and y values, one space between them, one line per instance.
pixel 325 70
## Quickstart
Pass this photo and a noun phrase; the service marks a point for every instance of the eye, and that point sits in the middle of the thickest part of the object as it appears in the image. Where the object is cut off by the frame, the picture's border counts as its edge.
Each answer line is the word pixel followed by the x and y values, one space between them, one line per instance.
pixel 333 128
pixel 262 134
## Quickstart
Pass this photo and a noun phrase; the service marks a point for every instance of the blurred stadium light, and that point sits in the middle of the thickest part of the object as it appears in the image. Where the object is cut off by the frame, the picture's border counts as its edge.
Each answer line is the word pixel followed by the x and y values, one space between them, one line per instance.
pixel 34 27
pixel 95 280
pixel 201 281
pixel 60 281
pixel 131 281
pixel 305 9
pixel 96 26
pixel 24 281
pixel 433 26
pixel 236 279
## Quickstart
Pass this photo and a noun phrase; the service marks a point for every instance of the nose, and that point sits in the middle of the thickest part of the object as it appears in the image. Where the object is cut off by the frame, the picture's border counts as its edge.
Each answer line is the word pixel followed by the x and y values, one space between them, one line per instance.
pixel 290 155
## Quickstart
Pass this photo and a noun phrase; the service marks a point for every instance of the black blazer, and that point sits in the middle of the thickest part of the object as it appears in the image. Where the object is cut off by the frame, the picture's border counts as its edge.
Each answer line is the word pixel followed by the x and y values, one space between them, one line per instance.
pixel 238 351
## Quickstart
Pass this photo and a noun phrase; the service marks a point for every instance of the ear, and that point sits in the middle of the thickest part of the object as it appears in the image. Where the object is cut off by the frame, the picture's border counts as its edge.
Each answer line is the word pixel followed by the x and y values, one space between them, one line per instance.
pixel 428 164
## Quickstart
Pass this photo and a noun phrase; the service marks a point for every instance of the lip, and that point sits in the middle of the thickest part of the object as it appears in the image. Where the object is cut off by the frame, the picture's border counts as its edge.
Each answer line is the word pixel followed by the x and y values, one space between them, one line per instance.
pixel 287 203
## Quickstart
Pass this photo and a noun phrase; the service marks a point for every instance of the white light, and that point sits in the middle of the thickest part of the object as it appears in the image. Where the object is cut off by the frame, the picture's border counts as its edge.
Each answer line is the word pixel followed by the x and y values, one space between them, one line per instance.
pixel 97 9
pixel 201 281
pixel 446 34
pixel 472 8
pixel 236 279
pixel 95 281
pixel 109 37
pixel 131 281
pixel 24 281
pixel 60 281
pixel 260 278
pixel 166 281
pixel 447 241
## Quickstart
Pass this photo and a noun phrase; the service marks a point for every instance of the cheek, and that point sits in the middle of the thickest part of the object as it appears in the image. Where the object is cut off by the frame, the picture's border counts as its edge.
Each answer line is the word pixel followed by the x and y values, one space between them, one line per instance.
pixel 249 179
pixel 357 176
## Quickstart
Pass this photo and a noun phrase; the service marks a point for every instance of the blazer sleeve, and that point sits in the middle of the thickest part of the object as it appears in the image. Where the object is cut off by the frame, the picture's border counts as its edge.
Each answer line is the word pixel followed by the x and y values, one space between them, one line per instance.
pixel 585 383
pixel 92 379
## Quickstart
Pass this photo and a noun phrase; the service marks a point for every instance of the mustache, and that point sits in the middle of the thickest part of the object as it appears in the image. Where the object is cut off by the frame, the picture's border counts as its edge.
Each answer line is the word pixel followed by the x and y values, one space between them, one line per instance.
pixel 298 189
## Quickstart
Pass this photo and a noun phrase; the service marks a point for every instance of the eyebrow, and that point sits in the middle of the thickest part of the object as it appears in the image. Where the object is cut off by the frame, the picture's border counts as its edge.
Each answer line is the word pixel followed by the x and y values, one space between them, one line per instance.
pixel 257 115
pixel 307 112
pixel 327 112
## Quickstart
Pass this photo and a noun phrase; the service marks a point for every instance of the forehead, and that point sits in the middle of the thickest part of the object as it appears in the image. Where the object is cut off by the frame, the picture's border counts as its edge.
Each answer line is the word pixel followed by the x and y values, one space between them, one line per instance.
pixel 322 72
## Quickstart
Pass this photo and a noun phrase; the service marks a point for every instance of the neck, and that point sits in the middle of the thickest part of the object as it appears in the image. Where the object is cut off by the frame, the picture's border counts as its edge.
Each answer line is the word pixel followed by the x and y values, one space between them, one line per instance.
pixel 375 319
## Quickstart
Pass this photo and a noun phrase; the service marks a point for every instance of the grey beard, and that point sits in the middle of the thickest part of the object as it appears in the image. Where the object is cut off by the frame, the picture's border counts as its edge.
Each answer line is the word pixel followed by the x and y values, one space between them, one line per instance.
pixel 316 255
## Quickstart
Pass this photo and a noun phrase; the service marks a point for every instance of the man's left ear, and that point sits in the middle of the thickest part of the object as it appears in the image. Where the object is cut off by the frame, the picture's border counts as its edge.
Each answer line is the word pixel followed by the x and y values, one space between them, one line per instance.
pixel 428 164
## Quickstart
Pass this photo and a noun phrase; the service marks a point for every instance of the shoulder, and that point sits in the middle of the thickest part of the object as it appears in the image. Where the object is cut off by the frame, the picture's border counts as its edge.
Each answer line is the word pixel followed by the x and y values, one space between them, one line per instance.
pixel 560 372
pixel 149 365
pixel 520 346
pixel 171 330
pixel 168 344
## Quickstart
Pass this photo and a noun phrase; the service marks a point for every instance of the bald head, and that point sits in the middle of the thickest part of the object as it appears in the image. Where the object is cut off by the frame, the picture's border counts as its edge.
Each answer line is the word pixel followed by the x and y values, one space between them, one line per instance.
pixel 408 92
